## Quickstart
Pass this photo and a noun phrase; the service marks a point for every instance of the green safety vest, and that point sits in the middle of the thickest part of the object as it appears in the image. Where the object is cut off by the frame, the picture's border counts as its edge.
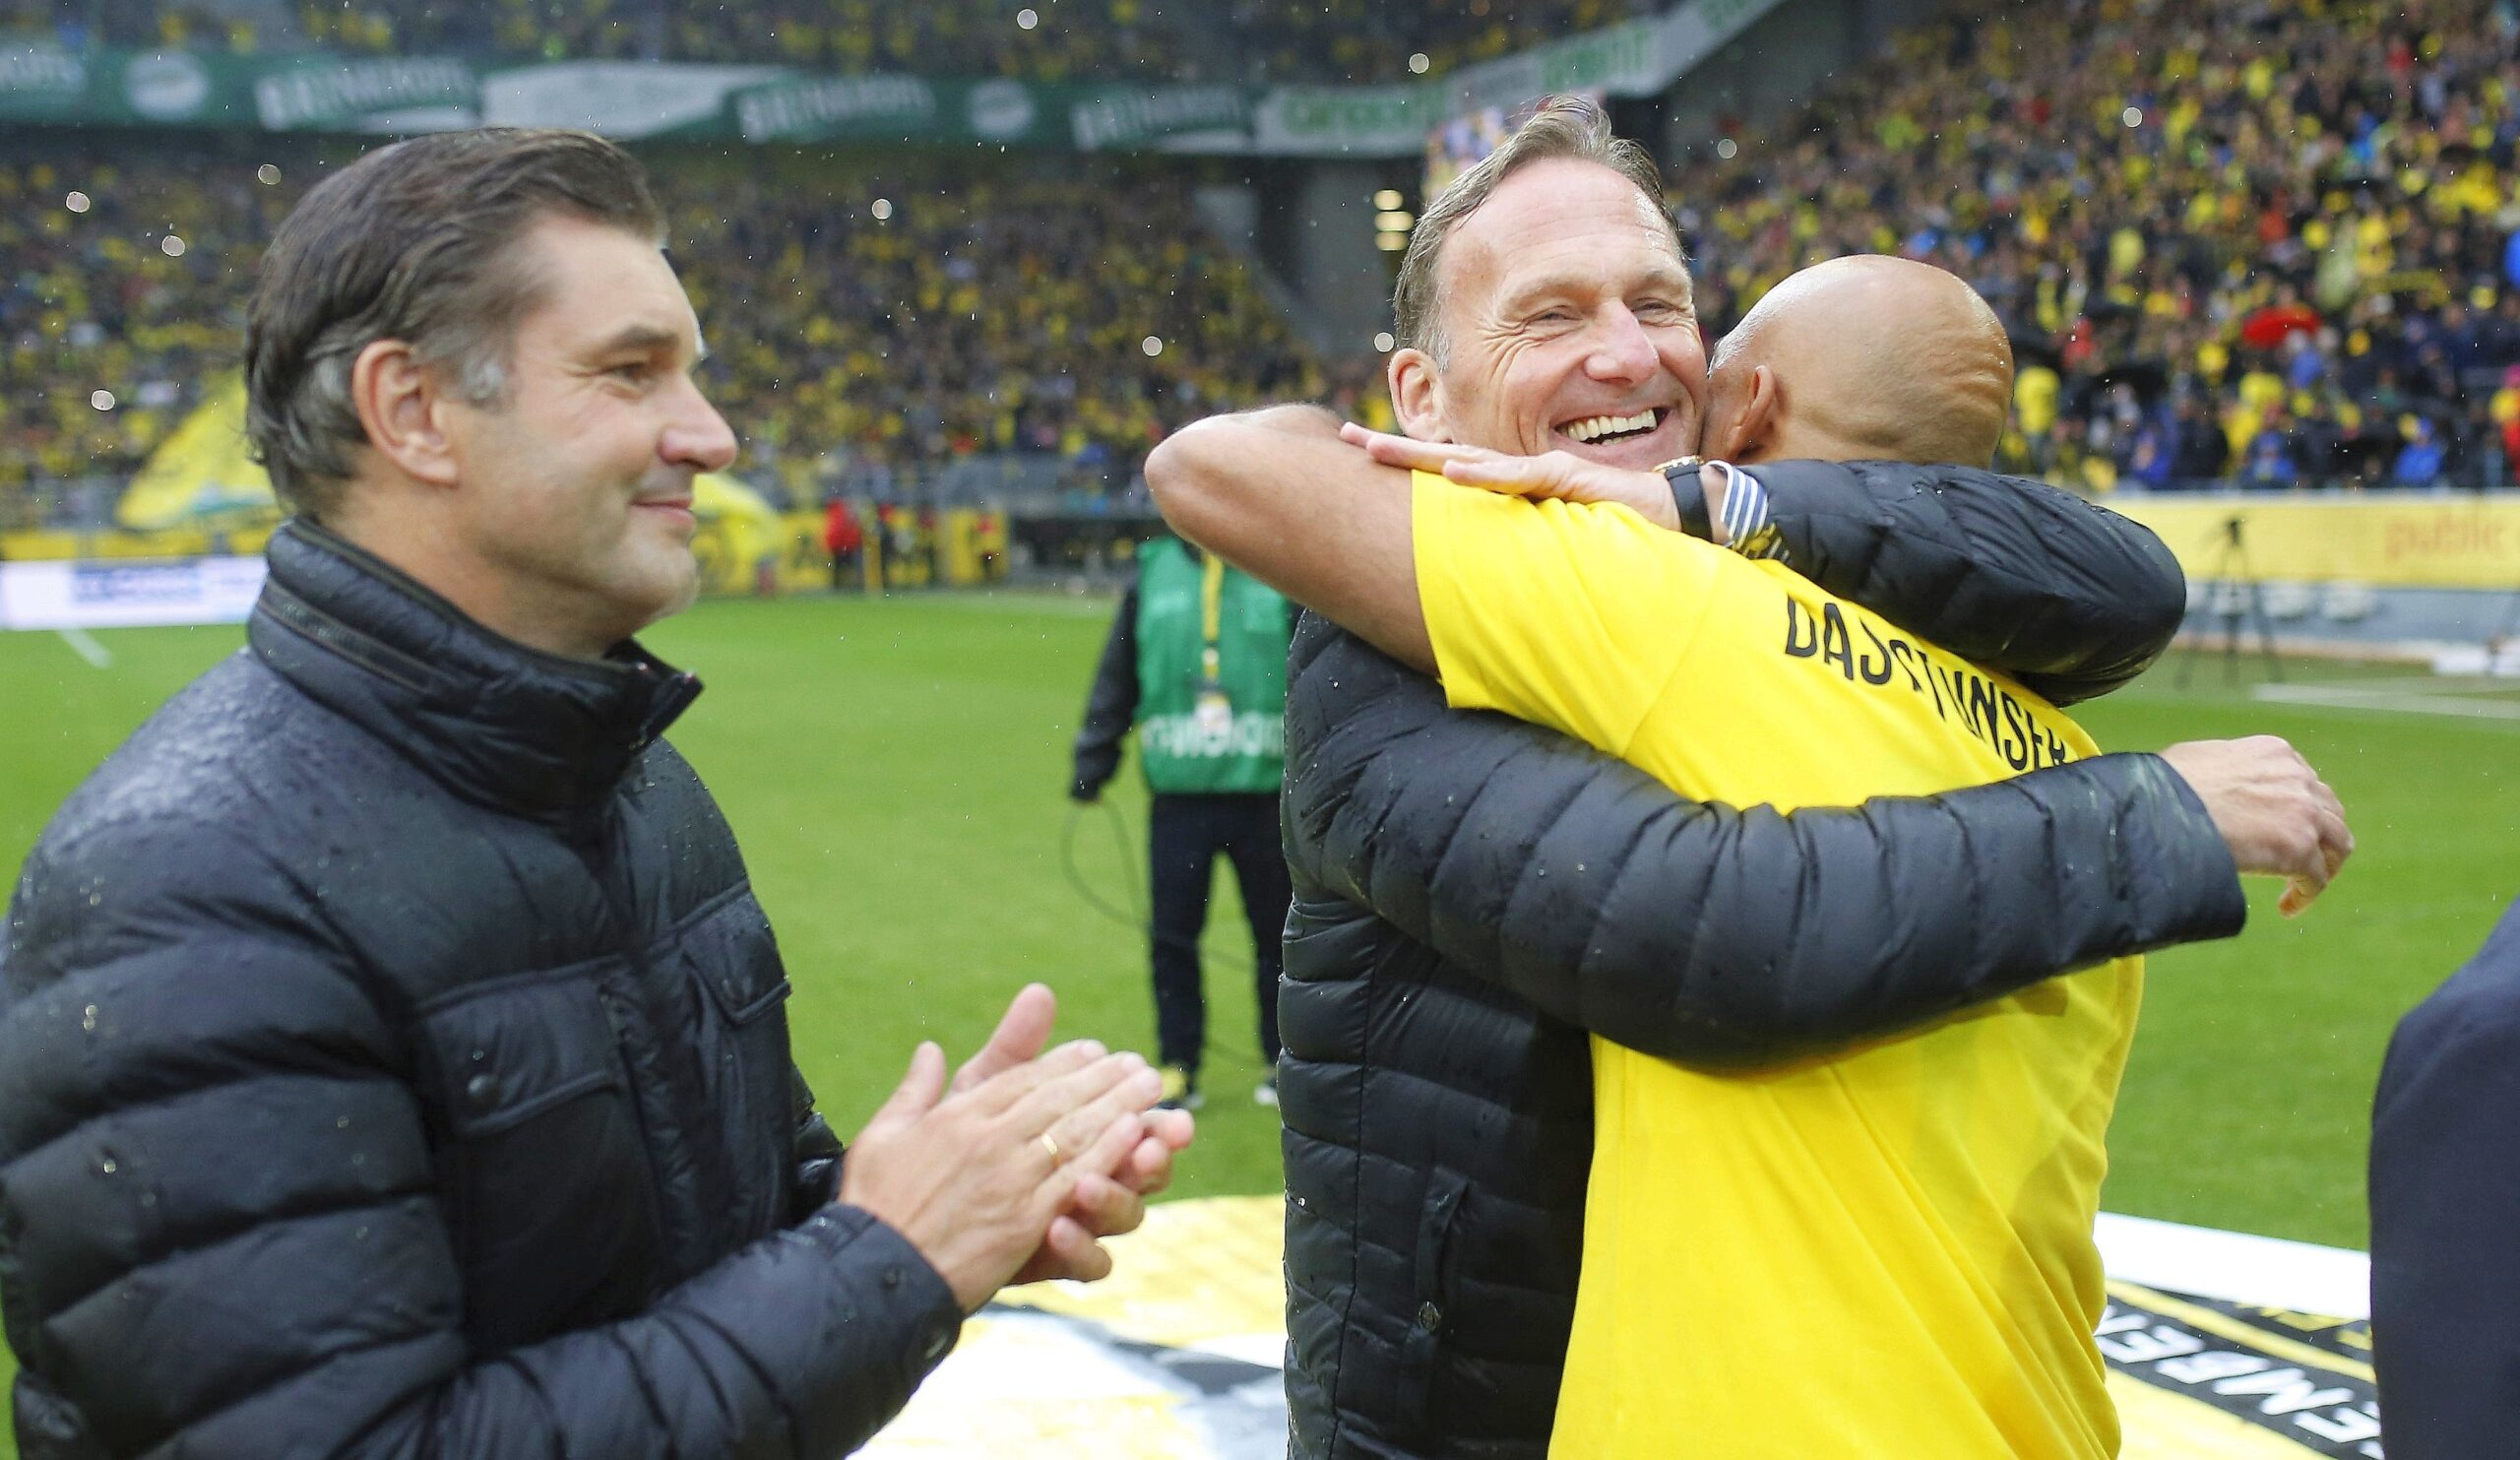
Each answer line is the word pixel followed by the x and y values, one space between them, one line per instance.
pixel 1212 675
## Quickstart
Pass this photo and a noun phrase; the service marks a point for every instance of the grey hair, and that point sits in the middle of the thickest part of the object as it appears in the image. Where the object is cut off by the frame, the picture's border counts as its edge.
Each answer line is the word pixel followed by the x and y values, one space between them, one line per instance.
pixel 415 242
pixel 1569 127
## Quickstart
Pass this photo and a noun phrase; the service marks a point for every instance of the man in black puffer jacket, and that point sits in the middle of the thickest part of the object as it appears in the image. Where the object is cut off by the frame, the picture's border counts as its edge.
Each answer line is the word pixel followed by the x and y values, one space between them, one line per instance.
pixel 393 1059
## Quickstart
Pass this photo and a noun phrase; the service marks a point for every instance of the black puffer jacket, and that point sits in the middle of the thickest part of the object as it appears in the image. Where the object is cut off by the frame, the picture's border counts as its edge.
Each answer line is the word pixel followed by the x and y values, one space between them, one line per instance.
pixel 1473 894
pixel 393 1062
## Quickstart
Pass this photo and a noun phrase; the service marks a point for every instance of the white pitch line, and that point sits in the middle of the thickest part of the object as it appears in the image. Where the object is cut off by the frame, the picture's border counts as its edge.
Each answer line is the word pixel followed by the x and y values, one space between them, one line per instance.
pixel 84 645
pixel 2339 697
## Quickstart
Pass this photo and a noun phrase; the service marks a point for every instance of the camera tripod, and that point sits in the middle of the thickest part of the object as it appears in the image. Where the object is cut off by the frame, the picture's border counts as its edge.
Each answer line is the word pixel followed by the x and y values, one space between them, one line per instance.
pixel 2234 594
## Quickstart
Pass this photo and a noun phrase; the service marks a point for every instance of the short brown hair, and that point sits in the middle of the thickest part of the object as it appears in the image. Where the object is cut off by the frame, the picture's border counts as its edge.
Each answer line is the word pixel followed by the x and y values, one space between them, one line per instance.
pixel 1568 127
pixel 412 242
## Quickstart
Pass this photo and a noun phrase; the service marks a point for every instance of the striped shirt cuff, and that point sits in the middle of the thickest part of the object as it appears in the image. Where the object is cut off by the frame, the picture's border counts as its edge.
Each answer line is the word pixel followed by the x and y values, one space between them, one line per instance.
pixel 1746 529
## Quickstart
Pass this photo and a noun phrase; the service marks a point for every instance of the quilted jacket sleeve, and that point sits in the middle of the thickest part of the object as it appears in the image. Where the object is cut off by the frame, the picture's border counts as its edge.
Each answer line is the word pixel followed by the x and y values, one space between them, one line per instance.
pixel 818 1150
pixel 170 1003
pixel 1714 935
pixel 2067 596
pixel 1110 706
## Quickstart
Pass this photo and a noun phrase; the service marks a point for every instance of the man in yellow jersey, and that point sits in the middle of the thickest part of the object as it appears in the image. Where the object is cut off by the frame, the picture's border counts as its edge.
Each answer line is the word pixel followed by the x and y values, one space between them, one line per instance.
pixel 1925 1201
pixel 1881 1253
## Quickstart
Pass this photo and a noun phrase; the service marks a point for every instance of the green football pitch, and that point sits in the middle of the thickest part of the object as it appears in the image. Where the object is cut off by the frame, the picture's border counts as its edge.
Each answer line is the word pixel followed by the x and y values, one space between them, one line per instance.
pixel 896 771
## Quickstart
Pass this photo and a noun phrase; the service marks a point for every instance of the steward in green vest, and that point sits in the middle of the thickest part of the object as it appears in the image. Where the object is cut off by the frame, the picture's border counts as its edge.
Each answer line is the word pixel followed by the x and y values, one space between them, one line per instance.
pixel 1197 662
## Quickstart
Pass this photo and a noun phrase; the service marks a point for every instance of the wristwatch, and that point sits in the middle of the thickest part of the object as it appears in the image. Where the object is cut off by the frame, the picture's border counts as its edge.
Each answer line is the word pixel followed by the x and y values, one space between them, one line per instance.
pixel 1689 495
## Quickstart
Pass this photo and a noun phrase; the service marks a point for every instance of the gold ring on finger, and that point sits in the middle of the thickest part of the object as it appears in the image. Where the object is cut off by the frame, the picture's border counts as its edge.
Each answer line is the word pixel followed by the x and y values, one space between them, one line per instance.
pixel 1050 1143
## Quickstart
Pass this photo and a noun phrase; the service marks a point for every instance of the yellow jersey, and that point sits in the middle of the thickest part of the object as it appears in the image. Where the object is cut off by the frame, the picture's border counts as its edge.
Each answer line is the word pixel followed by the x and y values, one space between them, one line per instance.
pixel 1886 1252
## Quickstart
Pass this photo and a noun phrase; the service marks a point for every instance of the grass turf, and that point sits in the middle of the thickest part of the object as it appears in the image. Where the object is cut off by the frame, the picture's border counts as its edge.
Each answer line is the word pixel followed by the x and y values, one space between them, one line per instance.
pixel 895 770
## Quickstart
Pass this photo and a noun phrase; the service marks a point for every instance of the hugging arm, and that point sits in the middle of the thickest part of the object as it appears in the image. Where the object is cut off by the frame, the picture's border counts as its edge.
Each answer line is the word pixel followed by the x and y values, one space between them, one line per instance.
pixel 1712 935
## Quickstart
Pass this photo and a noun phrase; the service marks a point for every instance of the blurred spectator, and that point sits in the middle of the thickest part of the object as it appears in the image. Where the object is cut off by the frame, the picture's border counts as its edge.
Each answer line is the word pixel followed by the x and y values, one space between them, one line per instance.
pixel 2420 461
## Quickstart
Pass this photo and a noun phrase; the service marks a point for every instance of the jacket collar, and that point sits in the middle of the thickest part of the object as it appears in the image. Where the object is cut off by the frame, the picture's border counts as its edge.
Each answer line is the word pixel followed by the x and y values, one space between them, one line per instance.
pixel 496 722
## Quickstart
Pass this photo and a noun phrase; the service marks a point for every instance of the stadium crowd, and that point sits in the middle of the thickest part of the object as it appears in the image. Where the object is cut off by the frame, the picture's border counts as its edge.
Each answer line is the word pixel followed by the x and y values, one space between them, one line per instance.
pixel 1335 40
pixel 2313 280
pixel 863 336
pixel 2267 240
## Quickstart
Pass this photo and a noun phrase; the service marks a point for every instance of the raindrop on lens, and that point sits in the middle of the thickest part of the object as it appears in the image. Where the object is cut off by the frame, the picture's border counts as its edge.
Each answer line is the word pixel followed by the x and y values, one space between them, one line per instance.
pixel 173 246
pixel 1727 149
pixel 267 175
pixel 1151 346
pixel 102 399
pixel 1419 62
pixel 1383 342
pixel 77 202
pixel 883 209
pixel 87 1019
pixel 2132 116
pixel 109 1166
pixel 1027 18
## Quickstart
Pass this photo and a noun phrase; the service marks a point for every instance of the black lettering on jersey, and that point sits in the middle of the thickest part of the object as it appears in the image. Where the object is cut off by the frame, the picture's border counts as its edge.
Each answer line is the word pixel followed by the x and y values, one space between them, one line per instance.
pixel 1794 644
pixel 1982 707
pixel 1866 665
pixel 1978 703
pixel 2015 743
pixel 1835 646
pixel 1933 679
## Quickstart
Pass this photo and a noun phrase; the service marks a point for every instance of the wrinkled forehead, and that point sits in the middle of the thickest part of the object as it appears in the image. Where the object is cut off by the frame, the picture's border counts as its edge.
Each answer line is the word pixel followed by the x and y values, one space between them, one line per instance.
pixel 1561 221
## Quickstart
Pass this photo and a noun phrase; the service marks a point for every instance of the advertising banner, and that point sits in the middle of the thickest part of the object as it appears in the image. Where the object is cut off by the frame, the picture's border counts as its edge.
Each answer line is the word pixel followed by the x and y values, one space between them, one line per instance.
pixel 138 592
pixel 315 92
pixel 2387 540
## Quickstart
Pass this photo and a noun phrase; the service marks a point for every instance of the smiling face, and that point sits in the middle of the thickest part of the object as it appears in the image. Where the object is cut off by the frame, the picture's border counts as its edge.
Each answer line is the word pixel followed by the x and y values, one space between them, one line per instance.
pixel 576 486
pixel 1566 322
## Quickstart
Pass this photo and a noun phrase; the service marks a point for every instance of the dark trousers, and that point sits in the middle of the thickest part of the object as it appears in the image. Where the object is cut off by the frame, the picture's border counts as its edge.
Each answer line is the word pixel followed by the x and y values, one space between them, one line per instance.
pixel 1184 836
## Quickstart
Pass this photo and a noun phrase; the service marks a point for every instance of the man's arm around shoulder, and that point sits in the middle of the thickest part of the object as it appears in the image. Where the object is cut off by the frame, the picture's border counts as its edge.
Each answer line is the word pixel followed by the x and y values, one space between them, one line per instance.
pixel 1279 495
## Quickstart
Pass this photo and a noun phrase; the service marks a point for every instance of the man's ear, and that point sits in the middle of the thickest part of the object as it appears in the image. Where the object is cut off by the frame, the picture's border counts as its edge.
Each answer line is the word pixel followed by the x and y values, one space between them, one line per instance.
pixel 1752 432
pixel 401 404
pixel 1418 395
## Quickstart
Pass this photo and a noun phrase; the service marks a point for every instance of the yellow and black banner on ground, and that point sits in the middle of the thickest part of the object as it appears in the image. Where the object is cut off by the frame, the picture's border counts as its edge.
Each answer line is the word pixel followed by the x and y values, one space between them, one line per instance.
pixel 1177 1356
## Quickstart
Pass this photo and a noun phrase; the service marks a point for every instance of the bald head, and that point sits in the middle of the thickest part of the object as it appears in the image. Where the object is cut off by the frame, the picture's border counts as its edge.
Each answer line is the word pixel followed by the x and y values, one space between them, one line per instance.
pixel 1864 358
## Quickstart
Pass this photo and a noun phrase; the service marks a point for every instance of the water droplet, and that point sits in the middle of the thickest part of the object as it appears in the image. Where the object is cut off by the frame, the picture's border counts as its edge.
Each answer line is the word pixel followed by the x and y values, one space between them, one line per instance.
pixel 102 399
pixel 172 245
pixel 267 175
pixel 77 202
pixel 87 1019
pixel 108 1164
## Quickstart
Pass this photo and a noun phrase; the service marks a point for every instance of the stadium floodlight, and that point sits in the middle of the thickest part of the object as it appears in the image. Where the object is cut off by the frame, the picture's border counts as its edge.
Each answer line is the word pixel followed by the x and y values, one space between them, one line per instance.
pixel 1388 199
pixel 1394 222
pixel 1391 242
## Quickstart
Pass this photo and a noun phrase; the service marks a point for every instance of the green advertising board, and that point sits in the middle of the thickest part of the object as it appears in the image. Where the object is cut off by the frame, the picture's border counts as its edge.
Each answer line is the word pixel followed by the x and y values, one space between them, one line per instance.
pixel 315 92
